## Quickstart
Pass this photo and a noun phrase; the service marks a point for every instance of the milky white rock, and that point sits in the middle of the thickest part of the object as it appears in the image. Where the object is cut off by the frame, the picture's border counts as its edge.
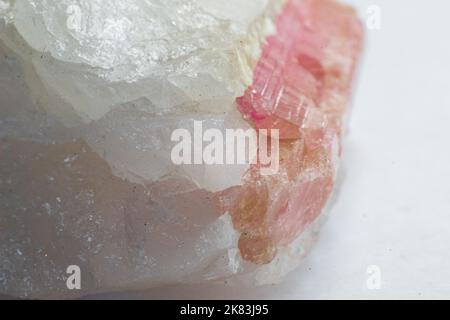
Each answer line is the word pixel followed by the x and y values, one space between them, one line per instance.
pixel 173 58
pixel 172 52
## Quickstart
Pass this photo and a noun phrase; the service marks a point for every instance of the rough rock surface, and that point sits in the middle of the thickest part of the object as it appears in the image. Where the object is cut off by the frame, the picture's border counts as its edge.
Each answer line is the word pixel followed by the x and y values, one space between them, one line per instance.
pixel 90 92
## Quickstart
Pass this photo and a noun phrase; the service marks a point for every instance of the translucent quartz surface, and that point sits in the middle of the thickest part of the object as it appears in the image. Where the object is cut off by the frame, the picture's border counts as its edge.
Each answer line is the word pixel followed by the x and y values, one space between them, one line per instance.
pixel 88 63
pixel 173 52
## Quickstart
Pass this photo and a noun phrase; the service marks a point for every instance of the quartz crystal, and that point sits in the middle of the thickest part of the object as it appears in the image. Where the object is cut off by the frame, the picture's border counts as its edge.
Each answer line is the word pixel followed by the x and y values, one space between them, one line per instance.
pixel 90 94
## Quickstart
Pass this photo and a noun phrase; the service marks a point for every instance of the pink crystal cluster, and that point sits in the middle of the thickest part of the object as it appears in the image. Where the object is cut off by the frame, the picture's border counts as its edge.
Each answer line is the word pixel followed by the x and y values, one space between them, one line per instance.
pixel 301 87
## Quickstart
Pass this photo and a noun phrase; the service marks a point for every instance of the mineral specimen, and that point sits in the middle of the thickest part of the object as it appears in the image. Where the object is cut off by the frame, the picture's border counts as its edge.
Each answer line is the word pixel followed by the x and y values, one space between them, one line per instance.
pixel 91 93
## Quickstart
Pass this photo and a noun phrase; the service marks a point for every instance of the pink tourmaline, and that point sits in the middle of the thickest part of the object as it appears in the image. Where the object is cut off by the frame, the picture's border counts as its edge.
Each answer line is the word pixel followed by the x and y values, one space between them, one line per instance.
pixel 301 86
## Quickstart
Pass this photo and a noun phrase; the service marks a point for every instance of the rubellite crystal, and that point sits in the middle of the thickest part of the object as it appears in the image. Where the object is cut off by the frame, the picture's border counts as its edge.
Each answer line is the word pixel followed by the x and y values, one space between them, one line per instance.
pixel 86 176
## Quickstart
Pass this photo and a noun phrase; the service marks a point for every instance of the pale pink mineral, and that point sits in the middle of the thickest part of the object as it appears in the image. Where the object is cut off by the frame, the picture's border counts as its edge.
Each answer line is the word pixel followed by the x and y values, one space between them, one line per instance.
pixel 302 87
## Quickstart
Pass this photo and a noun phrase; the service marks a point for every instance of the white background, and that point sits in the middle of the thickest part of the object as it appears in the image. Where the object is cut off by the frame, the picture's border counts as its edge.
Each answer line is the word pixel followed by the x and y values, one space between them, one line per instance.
pixel 393 210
